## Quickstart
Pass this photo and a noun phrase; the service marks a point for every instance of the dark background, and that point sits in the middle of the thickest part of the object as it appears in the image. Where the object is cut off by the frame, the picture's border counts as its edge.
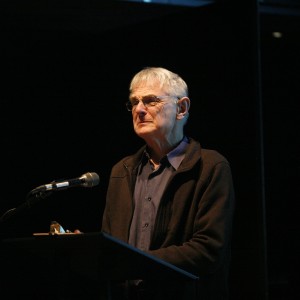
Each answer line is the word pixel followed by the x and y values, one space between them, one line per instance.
pixel 66 67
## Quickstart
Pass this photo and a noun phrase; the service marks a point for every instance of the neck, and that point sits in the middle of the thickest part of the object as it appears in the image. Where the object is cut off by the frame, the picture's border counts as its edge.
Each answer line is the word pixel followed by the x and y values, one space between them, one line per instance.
pixel 157 149
pixel 154 164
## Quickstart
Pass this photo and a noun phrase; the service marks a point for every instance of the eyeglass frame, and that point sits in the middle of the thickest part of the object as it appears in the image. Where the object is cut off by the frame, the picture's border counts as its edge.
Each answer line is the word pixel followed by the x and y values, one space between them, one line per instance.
pixel 158 99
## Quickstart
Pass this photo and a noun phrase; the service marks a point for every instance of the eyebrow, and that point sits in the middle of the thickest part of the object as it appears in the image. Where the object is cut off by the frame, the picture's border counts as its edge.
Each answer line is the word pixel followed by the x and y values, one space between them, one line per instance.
pixel 136 98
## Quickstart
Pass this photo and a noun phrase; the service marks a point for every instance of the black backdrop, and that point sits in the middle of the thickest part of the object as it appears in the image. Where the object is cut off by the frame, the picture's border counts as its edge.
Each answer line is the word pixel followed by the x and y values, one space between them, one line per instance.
pixel 66 67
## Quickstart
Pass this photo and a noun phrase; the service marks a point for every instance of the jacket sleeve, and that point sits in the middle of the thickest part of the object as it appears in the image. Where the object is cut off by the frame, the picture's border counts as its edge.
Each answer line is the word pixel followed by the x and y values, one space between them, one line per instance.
pixel 118 200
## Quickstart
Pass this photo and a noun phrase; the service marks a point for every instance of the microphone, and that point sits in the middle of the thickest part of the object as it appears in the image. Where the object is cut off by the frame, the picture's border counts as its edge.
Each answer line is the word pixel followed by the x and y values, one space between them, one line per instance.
pixel 89 179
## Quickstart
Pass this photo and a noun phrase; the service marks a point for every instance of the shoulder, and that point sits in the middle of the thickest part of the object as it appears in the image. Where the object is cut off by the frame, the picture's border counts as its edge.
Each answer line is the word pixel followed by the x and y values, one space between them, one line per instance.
pixel 208 157
pixel 206 154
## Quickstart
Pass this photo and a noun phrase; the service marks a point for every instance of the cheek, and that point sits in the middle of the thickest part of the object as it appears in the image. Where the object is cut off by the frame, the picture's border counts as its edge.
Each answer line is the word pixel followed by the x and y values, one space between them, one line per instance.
pixel 166 115
pixel 168 111
pixel 135 117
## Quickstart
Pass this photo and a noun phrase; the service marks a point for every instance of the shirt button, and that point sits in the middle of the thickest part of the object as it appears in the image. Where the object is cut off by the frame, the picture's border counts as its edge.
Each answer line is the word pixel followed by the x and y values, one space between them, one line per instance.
pixel 146 225
pixel 149 199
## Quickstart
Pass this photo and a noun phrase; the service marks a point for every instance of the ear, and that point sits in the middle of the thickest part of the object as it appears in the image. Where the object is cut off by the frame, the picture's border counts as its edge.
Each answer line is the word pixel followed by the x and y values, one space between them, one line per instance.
pixel 183 107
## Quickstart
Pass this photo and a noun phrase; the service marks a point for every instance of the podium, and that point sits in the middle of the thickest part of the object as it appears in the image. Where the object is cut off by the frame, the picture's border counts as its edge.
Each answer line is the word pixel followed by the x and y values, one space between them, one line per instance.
pixel 91 266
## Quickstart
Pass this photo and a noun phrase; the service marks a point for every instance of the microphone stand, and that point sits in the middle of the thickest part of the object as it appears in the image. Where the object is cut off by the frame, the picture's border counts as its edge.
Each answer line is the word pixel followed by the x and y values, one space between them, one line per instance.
pixel 32 197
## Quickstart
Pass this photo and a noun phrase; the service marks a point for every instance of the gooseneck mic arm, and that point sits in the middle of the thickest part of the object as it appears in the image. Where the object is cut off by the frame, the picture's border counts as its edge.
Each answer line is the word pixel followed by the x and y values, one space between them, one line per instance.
pixel 30 200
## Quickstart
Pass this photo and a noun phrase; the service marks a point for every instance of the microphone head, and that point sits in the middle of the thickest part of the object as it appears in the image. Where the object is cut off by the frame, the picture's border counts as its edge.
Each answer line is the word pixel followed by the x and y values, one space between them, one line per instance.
pixel 90 179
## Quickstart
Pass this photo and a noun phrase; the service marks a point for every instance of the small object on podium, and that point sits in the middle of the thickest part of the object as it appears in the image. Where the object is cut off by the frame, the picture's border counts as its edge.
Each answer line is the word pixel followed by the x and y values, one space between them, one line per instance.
pixel 56 228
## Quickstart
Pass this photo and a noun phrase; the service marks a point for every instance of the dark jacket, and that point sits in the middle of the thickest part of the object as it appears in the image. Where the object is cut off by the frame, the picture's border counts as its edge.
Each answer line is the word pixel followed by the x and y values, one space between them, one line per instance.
pixel 194 219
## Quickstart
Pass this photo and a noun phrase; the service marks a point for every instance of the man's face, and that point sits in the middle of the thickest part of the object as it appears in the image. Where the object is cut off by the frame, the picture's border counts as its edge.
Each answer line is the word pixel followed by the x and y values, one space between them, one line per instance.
pixel 153 120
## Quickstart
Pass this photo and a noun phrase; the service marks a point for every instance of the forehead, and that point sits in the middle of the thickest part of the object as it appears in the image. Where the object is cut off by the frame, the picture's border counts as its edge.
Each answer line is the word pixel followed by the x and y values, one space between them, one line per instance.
pixel 143 90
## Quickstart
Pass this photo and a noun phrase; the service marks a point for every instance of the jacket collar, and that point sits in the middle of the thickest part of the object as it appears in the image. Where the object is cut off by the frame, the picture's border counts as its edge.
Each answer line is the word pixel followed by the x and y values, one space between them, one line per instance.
pixel 191 156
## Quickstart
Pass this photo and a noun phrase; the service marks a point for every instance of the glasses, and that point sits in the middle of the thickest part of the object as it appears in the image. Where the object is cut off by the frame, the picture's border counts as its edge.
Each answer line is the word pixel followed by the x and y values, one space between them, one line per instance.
pixel 148 101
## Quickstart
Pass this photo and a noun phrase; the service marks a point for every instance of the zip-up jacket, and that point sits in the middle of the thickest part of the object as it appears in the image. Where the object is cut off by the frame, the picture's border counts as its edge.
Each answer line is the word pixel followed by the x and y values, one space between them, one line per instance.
pixel 193 226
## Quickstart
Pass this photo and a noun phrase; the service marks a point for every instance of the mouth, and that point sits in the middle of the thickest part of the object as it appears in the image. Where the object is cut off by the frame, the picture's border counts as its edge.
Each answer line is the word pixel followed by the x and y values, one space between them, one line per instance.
pixel 143 121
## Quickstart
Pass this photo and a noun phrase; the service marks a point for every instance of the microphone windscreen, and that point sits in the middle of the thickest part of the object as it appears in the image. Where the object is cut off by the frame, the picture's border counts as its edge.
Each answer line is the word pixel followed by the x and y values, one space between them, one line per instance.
pixel 90 179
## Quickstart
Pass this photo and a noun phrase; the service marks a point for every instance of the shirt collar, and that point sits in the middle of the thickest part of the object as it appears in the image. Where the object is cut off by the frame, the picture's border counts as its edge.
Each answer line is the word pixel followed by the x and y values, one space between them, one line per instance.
pixel 176 156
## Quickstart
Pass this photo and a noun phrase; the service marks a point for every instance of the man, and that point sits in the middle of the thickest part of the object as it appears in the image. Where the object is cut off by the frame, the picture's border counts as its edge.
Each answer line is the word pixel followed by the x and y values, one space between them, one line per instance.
pixel 171 199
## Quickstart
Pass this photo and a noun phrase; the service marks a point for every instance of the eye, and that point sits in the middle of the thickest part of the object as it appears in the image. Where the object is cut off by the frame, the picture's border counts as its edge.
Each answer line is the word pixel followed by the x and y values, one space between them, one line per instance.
pixel 134 102
pixel 150 100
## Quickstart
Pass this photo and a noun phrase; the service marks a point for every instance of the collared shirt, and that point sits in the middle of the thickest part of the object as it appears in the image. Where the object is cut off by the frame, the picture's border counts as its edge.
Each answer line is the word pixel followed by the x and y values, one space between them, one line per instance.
pixel 149 188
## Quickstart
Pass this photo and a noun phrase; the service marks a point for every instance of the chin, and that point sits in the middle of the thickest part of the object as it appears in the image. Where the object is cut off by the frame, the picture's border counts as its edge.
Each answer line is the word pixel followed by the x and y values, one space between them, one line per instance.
pixel 144 133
